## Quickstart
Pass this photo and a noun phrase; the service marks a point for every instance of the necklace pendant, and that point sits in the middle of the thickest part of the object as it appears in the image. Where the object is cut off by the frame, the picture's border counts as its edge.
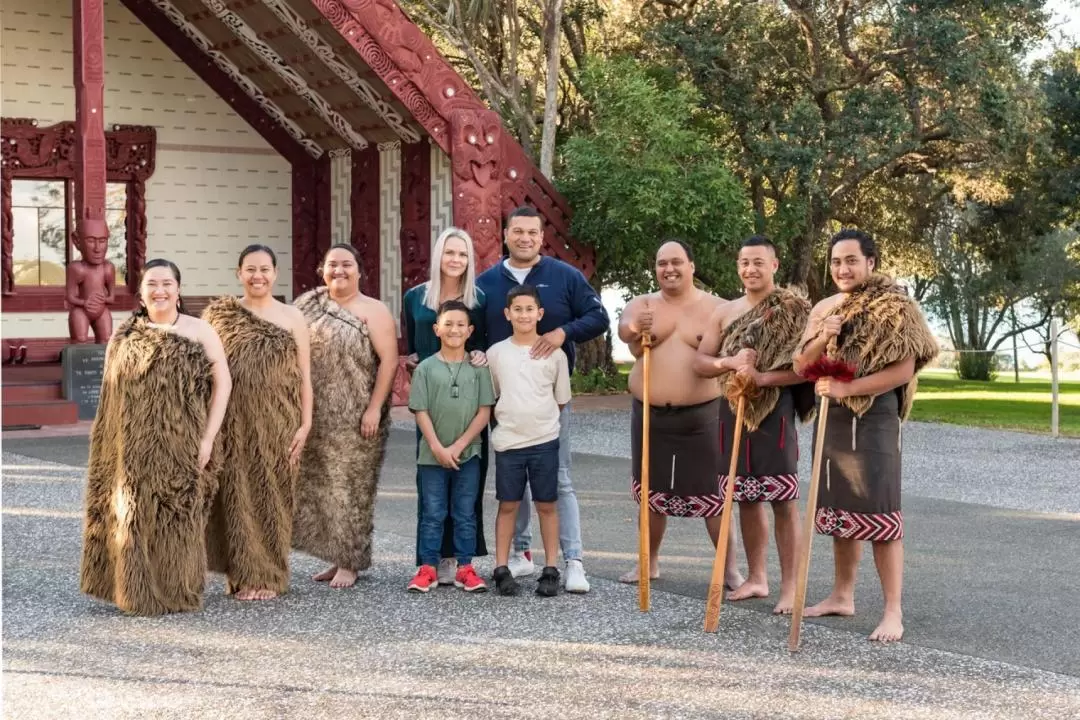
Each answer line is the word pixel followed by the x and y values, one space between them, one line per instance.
pixel 454 392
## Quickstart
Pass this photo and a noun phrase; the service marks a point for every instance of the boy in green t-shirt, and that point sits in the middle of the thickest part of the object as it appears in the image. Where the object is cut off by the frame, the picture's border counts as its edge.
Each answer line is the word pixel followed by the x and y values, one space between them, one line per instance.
pixel 452 401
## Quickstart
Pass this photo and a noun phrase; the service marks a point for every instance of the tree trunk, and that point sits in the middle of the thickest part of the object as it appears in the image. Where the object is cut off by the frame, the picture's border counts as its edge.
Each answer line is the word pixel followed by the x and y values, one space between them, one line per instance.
pixel 597 352
pixel 552 36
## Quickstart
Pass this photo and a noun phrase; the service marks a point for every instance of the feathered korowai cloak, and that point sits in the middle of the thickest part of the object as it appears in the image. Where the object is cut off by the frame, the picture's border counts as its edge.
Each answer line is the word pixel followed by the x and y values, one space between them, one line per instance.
pixel 772 328
pixel 146 499
pixel 250 528
pixel 339 470
pixel 881 326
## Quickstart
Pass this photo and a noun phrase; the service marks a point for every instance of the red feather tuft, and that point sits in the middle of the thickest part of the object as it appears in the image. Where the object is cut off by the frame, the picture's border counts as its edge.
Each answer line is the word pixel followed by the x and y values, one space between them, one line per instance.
pixel 827 367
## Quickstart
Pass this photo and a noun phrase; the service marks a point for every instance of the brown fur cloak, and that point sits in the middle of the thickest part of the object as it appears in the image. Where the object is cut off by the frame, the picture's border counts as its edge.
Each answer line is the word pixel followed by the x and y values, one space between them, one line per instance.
pixel 339 470
pixel 772 328
pixel 250 527
pixel 146 499
pixel 881 326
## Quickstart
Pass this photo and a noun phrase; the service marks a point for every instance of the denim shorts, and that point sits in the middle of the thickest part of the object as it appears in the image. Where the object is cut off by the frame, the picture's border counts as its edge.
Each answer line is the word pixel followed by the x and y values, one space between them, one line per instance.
pixel 537 465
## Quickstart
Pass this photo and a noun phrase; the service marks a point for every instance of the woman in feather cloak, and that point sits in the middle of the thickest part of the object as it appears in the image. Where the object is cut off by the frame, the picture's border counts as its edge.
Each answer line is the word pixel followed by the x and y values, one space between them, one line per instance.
pixel 151 476
pixel 354 359
pixel 265 428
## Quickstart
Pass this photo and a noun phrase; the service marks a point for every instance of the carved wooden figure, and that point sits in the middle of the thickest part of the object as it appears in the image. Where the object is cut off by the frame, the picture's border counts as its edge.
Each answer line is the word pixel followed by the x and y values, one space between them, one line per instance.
pixel 90 285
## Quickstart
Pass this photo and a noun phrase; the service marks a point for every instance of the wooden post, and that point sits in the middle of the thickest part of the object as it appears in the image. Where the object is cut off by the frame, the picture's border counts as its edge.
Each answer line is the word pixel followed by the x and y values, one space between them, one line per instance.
pixel 803 577
pixel 644 559
pixel 89 33
pixel 1054 332
pixel 716 579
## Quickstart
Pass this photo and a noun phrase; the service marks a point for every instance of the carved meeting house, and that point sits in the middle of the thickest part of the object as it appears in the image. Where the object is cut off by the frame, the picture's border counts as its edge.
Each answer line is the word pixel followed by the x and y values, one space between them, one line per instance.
pixel 192 128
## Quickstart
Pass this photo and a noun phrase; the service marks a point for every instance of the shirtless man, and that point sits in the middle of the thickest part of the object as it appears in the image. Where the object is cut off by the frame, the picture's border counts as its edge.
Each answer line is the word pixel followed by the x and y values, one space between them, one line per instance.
pixel 684 451
pixel 752 339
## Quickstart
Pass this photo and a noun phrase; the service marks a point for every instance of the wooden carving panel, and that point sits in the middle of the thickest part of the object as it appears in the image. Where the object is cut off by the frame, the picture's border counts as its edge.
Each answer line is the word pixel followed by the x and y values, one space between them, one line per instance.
pixel 365 216
pixel 475 159
pixel 305 223
pixel 89 33
pixel 415 214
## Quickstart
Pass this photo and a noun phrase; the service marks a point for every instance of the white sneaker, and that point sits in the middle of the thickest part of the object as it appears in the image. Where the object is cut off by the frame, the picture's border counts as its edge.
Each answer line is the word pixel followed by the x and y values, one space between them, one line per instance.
pixel 520 565
pixel 576 582
pixel 447 571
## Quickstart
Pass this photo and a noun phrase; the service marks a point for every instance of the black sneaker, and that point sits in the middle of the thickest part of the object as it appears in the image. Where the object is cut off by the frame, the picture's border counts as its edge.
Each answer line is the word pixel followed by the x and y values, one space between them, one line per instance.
pixel 505 584
pixel 548 585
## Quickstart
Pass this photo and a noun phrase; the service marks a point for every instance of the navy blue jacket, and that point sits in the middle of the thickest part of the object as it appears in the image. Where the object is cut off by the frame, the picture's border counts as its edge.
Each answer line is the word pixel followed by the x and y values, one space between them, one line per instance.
pixel 568 300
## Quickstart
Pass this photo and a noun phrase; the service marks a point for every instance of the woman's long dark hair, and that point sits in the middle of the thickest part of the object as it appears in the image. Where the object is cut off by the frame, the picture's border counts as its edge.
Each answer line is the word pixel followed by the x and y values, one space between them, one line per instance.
pixel 140 309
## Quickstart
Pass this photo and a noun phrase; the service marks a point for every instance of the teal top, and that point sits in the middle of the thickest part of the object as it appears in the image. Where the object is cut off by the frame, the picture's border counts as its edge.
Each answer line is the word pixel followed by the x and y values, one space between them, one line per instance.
pixel 419 319
pixel 451 394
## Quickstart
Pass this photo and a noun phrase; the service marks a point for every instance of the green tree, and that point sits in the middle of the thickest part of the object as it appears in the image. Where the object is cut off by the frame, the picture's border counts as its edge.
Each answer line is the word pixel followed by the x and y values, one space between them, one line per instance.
pixel 645 170
pixel 820 98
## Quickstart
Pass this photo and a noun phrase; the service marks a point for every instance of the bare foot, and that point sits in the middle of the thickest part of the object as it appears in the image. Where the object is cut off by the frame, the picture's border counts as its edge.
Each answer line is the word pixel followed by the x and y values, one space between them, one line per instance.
pixel 749 590
pixel 325 574
pixel 632 577
pixel 256 594
pixel 786 603
pixel 733 580
pixel 890 629
pixel 343 579
pixel 831 605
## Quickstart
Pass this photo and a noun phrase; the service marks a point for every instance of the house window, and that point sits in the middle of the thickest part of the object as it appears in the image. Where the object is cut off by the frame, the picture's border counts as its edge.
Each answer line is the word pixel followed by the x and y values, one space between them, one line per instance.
pixel 42 230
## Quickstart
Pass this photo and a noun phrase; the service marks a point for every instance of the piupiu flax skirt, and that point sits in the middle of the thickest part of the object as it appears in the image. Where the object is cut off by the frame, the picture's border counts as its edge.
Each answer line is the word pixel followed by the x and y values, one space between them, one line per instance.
pixel 684 459
pixel 768 469
pixel 859 494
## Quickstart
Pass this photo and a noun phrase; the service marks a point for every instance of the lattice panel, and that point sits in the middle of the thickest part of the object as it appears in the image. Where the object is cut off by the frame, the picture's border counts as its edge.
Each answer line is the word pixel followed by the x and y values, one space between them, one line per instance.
pixel 390 226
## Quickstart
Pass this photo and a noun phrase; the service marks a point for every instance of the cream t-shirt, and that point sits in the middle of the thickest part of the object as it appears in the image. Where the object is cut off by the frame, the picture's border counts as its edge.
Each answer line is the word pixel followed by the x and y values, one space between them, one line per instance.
pixel 530 392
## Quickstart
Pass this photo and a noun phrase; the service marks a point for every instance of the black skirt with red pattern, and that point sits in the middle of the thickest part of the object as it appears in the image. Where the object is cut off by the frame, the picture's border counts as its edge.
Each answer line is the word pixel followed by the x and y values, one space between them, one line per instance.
pixel 859 491
pixel 768 469
pixel 684 459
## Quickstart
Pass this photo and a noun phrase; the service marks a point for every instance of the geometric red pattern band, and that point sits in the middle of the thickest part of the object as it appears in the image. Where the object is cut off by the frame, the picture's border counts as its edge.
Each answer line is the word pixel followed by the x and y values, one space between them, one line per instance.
pixel 765 488
pixel 680 505
pixel 875 527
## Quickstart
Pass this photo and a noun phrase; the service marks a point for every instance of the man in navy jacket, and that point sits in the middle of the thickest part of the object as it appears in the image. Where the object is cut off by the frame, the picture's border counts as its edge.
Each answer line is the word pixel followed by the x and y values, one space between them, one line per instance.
pixel 573 314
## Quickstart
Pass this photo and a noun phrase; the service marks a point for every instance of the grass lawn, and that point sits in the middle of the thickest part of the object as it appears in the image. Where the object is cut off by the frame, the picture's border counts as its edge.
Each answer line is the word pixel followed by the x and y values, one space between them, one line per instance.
pixel 1003 403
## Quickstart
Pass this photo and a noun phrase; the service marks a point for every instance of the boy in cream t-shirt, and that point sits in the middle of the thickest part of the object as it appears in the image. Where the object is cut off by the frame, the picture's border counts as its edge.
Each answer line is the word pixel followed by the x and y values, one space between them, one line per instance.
pixel 531 392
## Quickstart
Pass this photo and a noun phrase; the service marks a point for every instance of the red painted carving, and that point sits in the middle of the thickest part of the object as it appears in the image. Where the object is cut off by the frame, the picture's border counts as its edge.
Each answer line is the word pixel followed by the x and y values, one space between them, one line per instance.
pixel 241 103
pixel 324 214
pixel 305 223
pixel 399 393
pixel 29 151
pixel 475 161
pixel 7 235
pixel 415 213
pixel 89 25
pixel 365 216
pixel 420 77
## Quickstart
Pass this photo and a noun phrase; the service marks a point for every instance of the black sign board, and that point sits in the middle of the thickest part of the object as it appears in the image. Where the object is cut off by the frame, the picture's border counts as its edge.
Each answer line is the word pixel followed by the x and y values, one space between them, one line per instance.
pixel 84 367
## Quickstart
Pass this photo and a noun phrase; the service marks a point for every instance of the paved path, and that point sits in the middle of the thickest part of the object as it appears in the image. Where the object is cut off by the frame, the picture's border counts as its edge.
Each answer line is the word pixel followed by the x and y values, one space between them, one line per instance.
pixel 987 581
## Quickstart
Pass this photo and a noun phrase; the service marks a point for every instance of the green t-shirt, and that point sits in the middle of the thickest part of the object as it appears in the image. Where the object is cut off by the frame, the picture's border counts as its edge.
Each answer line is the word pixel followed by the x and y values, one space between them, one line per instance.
pixel 432 392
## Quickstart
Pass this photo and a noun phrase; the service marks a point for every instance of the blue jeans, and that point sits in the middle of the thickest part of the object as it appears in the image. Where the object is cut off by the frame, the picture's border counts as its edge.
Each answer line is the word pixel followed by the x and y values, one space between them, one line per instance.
pixel 449 492
pixel 569 514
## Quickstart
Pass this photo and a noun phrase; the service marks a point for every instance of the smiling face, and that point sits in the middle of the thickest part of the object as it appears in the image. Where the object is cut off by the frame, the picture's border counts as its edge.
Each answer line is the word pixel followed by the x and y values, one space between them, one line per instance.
pixel 757 267
pixel 849 267
pixel 453 329
pixel 340 272
pixel 674 271
pixel 160 291
pixel 455 258
pixel 524 238
pixel 257 274
pixel 524 313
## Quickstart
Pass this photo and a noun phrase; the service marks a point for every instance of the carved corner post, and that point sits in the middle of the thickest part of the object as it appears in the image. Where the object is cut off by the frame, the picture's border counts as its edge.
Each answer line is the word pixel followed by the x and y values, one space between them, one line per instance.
pixel 8 235
pixel 89 33
pixel 305 224
pixel 365 216
pixel 476 159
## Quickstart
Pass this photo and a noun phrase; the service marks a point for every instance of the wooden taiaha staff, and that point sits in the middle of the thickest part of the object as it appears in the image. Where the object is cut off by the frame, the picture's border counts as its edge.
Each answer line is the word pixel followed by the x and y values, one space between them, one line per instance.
pixel 842 372
pixel 716 581
pixel 643 512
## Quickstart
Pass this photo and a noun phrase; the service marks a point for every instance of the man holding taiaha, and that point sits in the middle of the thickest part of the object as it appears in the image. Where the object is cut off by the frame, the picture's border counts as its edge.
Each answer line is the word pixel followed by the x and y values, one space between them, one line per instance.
pixel 875 330
pixel 748 346
pixel 684 451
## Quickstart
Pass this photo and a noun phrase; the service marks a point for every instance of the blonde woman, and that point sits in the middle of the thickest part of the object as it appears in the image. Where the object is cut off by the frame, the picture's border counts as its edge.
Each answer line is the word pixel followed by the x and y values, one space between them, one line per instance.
pixel 453 277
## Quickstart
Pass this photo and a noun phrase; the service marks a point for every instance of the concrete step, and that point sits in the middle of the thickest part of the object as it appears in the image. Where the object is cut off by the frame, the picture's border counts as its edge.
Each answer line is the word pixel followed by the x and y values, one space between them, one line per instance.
pixel 25 391
pixel 41 412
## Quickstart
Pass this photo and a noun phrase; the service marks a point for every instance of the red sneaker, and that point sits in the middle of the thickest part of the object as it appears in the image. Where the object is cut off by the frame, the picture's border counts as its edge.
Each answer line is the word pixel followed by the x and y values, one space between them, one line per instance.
pixel 468 580
pixel 426 578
